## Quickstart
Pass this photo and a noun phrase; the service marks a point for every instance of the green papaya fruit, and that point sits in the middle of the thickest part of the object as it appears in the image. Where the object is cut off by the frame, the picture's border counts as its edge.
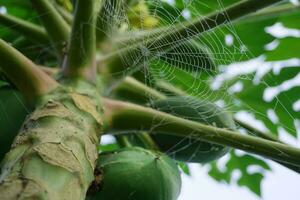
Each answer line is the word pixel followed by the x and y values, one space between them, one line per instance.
pixel 12 114
pixel 185 148
pixel 138 174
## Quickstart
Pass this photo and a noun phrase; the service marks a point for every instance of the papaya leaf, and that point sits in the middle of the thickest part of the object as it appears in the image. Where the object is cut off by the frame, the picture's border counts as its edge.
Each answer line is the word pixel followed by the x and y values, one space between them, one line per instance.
pixel 281 104
pixel 242 47
pixel 242 163
pixel 184 168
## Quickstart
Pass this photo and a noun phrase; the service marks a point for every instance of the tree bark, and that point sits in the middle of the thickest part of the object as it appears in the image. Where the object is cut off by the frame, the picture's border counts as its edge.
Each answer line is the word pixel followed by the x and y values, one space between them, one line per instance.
pixel 54 155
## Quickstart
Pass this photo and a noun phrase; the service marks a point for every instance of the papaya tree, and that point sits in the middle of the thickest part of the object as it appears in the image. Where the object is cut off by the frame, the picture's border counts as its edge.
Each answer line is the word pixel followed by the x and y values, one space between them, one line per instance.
pixel 72 72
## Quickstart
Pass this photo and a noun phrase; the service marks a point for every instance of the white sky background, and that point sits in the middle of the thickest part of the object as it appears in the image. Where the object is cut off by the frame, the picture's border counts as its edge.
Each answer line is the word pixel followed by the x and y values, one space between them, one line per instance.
pixel 280 184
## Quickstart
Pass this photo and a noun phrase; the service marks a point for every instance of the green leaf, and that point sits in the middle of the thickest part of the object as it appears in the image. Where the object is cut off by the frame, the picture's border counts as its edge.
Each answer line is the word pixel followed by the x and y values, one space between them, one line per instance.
pixel 13 111
pixel 244 45
pixel 184 168
pixel 282 104
pixel 242 163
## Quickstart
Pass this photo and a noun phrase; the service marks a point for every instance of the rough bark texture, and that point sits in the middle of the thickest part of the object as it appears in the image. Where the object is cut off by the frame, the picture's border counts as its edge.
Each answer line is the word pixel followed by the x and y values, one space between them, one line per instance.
pixel 54 155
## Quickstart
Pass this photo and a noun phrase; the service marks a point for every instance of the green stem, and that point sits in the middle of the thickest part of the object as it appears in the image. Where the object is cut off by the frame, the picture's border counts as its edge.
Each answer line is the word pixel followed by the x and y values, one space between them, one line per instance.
pixel 130 117
pixel 82 49
pixel 28 78
pixel 123 141
pixel 170 88
pixel 254 131
pixel 268 136
pixel 130 87
pixel 64 13
pixel 273 11
pixel 28 29
pixel 147 140
pixel 56 27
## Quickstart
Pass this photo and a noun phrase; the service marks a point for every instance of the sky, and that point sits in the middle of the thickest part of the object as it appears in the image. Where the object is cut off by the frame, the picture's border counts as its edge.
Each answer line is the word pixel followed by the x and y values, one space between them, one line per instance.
pixel 280 184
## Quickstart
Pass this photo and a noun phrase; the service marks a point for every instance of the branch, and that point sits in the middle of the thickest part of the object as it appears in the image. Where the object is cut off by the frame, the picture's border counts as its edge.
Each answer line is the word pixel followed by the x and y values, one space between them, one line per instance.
pixel 28 29
pixel 164 38
pixel 56 27
pixel 124 116
pixel 81 53
pixel 254 131
pixel 273 11
pixel 130 87
pixel 22 72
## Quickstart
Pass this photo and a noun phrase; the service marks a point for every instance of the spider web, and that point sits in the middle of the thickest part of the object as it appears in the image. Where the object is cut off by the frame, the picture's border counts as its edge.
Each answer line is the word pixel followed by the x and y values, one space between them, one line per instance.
pixel 168 66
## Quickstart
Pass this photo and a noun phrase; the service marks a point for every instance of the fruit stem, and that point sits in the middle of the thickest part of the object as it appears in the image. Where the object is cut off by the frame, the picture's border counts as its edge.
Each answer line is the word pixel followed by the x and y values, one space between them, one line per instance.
pixel 268 136
pixel 64 13
pixel 123 141
pixel 253 131
pixel 147 140
pixel 126 116
pixel 56 27
pixel 273 11
pixel 81 53
pixel 22 72
pixel 130 83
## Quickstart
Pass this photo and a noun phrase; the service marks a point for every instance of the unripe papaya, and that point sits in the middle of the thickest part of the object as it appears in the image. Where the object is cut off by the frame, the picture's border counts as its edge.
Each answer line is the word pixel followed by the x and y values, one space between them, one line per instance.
pixel 12 114
pixel 186 148
pixel 138 174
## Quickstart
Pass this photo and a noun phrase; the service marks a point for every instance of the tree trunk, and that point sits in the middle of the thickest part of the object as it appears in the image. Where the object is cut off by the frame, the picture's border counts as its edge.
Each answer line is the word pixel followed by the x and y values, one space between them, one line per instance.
pixel 54 155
